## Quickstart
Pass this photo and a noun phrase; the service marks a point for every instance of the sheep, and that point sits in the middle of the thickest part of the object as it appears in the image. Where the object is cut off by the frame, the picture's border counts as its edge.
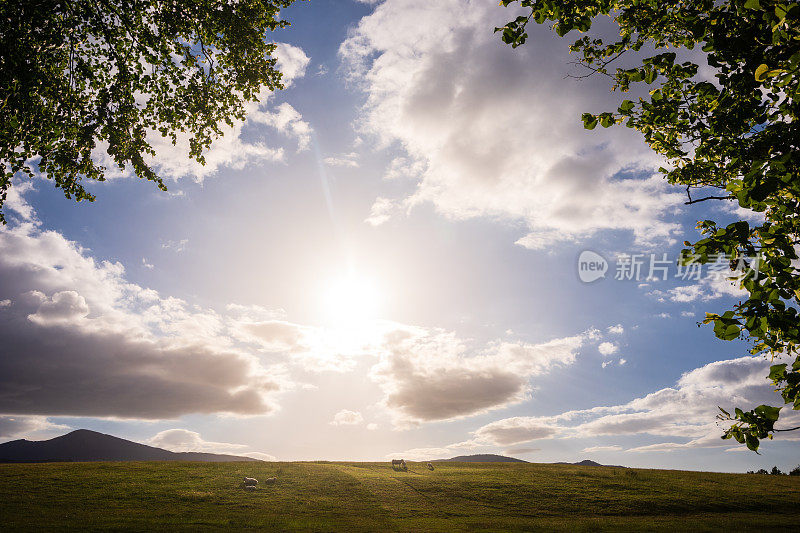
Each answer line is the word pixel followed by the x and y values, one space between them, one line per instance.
pixel 430 466
pixel 250 487
pixel 250 481
pixel 270 480
pixel 399 464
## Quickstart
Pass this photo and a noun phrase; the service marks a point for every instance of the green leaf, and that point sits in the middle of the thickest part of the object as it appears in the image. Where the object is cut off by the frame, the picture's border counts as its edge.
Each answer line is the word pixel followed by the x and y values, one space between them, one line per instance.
pixel 777 372
pixel 730 333
pixel 768 412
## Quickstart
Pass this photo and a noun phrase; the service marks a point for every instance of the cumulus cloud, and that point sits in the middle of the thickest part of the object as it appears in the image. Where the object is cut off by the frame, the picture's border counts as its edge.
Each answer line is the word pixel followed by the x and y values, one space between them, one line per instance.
pixel 709 288
pixel 286 119
pixel 80 340
pixel 430 375
pixel 32 427
pixel 515 431
pixel 381 211
pixel 686 411
pixel 491 131
pixel 184 440
pixel 607 348
pixel 346 417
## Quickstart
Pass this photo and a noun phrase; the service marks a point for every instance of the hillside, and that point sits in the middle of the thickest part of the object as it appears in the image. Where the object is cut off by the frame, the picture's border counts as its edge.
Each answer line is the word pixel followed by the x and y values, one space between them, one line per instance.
pixel 86 445
pixel 587 462
pixel 354 497
pixel 481 458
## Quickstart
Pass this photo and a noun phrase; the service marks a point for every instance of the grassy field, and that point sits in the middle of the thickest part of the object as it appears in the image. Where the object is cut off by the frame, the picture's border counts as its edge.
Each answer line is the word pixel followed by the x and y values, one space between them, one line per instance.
pixel 373 497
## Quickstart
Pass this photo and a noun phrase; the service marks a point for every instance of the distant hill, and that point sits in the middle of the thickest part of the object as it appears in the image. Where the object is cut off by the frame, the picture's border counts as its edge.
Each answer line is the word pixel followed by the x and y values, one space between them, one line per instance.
pixel 587 462
pixel 86 445
pixel 482 458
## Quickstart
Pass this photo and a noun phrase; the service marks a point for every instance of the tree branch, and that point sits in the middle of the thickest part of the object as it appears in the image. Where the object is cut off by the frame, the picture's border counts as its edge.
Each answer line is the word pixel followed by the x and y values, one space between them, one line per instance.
pixel 707 198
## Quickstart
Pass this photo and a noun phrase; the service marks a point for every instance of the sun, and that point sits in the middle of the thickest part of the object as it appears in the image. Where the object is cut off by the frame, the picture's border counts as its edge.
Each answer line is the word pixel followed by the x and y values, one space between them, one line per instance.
pixel 352 300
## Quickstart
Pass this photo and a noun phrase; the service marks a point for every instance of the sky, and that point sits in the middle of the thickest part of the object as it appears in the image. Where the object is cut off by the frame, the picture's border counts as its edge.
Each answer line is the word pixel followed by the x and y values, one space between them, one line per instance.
pixel 413 250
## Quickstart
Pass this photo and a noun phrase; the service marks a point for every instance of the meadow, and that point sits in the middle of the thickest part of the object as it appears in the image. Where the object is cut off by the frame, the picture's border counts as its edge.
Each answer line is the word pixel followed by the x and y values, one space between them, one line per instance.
pixel 323 496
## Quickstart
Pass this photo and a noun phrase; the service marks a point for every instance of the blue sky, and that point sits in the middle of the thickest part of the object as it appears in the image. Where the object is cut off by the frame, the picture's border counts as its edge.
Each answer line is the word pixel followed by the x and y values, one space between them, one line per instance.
pixel 382 261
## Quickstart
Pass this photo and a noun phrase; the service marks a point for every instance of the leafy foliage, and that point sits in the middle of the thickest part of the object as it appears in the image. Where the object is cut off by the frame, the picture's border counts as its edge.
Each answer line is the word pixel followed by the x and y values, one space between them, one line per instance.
pixel 734 137
pixel 81 74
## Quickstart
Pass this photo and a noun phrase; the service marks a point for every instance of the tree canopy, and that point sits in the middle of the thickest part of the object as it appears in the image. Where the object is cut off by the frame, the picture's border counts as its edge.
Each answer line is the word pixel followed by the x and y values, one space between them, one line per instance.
pixel 733 137
pixel 81 75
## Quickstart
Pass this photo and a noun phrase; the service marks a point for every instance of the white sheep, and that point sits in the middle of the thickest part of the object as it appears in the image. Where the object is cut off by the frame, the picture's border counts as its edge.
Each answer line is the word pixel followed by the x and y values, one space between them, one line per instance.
pixel 270 480
pixel 250 481
pixel 250 487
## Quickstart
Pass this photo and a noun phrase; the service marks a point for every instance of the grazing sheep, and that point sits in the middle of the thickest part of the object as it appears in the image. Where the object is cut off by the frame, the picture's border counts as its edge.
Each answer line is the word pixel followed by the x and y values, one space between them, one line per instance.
pixel 250 481
pixel 270 480
pixel 250 487
pixel 430 466
pixel 399 464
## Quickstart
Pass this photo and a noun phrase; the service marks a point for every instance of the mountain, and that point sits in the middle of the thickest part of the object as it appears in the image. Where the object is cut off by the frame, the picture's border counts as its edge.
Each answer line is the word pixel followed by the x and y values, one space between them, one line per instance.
pixel 587 462
pixel 482 458
pixel 85 445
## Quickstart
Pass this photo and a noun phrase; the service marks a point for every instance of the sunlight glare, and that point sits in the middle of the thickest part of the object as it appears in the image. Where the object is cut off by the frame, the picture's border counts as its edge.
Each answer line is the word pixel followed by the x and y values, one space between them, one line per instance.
pixel 352 300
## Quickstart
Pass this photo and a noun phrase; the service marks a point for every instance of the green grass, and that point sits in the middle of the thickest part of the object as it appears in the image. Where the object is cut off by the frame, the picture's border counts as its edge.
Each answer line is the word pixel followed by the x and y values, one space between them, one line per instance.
pixel 373 497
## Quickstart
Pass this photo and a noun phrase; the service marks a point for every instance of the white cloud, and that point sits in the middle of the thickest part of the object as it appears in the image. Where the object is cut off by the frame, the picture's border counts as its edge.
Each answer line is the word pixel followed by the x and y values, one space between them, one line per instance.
pixel 707 288
pixel 372 426
pixel 343 160
pixel 430 375
pixel 622 361
pixel 177 246
pixel 184 440
pixel 607 348
pixel 602 449
pixel 80 340
pixel 616 330
pixel 15 203
pixel 381 211
pixel 146 264
pixel 259 455
pixel 516 431
pixel 346 417
pixel 492 131
pixel 286 119
pixel 292 62
pixel 31 427
pixel 686 411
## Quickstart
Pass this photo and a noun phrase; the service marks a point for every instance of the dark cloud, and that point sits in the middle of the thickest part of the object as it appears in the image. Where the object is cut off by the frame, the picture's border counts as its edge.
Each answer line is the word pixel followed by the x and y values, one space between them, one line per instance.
pixel 79 340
